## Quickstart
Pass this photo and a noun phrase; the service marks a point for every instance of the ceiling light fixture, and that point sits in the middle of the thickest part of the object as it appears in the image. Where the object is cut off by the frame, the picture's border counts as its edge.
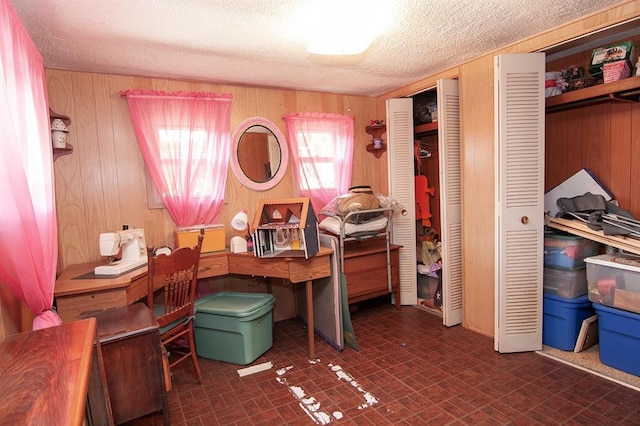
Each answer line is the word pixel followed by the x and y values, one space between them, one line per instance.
pixel 347 27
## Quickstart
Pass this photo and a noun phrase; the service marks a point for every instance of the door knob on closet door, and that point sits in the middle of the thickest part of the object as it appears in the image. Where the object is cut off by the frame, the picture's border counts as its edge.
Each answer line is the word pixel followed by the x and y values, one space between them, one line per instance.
pixel 524 220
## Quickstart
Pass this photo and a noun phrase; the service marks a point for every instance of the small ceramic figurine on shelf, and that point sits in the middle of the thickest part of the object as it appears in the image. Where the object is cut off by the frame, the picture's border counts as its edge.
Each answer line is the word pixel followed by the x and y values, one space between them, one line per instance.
pixel 59 133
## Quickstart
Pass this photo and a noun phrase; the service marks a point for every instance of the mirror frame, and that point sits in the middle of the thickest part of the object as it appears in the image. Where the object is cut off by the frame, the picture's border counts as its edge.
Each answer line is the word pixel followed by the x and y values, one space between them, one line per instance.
pixel 235 164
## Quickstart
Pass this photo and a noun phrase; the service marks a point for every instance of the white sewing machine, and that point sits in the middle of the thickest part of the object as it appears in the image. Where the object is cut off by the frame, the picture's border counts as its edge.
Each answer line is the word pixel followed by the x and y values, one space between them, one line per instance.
pixel 134 251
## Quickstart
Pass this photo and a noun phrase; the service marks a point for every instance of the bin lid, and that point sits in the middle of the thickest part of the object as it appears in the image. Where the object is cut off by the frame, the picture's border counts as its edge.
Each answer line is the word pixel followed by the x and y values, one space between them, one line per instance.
pixel 583 300
pixel 620 261
pixel 600 308
pixel 550 235
pixel 233 304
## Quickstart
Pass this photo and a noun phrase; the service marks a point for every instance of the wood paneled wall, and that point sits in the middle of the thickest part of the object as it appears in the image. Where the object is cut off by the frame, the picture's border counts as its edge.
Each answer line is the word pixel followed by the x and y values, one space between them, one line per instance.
pixel 102 184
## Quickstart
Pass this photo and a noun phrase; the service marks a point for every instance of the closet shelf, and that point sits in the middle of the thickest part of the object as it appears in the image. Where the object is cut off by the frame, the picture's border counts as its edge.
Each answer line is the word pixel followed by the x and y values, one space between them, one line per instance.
pixel 626 90
pixel 426 128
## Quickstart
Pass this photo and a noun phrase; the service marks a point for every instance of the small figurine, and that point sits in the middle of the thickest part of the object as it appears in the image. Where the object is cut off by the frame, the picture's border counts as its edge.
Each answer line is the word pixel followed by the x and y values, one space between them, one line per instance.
pixel 377 123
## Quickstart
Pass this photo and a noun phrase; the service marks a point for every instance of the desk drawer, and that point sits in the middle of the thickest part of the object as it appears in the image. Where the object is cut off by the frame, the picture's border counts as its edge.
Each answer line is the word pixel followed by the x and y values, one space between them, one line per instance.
pixel 213 266
pixel 73 308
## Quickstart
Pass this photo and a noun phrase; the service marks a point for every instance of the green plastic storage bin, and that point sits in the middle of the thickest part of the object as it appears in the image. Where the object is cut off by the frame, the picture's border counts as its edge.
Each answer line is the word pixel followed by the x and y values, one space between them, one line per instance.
pixel 234 327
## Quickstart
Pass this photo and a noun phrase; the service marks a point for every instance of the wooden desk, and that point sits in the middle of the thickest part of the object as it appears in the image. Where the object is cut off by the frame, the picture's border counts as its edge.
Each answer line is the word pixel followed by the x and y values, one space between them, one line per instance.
pixel 76 297
pixel 295 269
pixel 46 375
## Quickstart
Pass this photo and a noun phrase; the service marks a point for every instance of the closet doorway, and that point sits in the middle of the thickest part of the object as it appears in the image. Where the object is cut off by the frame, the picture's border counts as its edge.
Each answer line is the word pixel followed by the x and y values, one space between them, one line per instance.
pixel 433 151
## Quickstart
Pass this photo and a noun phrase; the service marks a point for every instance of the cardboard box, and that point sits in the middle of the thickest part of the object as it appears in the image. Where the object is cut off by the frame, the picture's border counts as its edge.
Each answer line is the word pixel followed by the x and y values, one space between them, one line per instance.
pixel 286 227
pixel 614 71
pixel 214 237
pixel 625 51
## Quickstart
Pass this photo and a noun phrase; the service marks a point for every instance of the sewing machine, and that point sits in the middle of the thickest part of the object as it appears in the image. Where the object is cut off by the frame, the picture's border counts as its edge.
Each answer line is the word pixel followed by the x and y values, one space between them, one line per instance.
pixel 131 243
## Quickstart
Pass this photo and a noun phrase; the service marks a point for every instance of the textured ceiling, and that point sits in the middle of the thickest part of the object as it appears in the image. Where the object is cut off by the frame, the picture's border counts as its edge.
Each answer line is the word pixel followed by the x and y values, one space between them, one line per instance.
pixel 263 42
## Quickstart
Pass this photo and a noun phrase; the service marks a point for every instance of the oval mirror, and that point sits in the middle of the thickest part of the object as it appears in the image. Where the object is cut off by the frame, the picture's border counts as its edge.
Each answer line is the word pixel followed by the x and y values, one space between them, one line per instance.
pixel 259 154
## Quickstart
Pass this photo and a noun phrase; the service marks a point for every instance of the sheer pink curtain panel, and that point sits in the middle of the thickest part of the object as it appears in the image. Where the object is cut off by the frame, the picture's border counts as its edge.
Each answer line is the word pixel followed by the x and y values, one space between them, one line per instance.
pixel 185 140
pixel 28 230
pixel 321 146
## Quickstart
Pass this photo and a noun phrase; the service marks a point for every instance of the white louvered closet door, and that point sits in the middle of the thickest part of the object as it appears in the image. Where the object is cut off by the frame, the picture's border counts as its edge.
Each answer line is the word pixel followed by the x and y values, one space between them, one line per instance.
pixel 401 189
pixel 519 114
pixel 450 200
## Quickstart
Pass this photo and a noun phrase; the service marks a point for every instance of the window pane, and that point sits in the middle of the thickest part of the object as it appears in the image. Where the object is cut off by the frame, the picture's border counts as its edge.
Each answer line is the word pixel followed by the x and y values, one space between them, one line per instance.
pixel 324 172
pixel 179 148
pixel 319 144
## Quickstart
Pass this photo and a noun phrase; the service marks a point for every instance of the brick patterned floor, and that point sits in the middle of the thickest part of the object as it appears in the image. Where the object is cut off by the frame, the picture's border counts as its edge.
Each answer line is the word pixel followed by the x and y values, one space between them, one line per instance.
pixel 410 370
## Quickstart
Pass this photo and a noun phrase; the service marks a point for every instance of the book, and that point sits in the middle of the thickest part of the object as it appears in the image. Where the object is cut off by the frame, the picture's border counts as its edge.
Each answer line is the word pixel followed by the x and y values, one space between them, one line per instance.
pixel 588 335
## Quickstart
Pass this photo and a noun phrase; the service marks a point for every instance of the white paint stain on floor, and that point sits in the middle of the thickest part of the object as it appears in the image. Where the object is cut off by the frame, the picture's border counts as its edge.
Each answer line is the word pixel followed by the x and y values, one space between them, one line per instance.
pixel 311 406
pixel 342 375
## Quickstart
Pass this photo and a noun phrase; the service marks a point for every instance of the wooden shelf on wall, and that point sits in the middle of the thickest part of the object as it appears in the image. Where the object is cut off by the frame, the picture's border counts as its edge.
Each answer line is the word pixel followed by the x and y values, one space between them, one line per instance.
pixel 59 152
pixel 377 151
pixel 626 90
pixel 376 132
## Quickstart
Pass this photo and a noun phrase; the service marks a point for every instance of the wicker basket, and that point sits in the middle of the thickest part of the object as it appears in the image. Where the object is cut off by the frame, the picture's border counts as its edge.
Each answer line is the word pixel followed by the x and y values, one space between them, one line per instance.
pixel 580 83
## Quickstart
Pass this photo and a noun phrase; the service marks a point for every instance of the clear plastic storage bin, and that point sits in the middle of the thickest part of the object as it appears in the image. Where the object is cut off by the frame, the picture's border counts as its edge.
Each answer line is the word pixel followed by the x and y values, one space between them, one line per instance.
pixel 614 280
pixel 567 251
pixel 565 283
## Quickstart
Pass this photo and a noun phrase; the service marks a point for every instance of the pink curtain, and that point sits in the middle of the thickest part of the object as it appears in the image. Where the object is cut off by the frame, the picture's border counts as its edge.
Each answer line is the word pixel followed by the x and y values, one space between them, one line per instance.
pixel 321 148
pixel 185 140
pixel 28 230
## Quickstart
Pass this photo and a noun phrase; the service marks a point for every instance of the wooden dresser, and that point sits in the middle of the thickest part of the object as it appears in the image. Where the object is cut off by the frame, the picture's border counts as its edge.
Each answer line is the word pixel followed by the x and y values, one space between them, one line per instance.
pixel 365 266
pixel 47 374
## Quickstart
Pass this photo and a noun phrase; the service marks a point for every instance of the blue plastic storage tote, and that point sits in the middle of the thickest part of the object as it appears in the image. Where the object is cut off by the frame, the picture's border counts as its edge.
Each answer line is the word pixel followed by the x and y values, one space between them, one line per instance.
pixel 619 336
pixel 562 320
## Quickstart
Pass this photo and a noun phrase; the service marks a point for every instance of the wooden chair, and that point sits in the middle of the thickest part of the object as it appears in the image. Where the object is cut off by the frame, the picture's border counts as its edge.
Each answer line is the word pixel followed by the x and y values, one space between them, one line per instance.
pixel 174 278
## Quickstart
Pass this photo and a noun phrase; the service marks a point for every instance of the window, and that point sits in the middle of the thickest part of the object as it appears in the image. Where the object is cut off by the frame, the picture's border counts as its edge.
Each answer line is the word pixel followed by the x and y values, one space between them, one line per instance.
pixel 322 154
pixel 185 141
pixel 316 160
pixel 185 149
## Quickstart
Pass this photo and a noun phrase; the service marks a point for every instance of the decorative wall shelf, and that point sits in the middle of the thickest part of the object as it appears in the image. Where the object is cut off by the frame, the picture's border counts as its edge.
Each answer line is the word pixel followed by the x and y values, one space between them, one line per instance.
pixel 59 152
pixel 377 151
pixel 376 132
pixel 626 90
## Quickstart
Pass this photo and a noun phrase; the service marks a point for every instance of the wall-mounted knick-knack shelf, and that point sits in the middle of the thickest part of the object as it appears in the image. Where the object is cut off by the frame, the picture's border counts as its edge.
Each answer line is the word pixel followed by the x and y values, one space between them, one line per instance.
pixel 377 146
pixel 59 152
pixel 377 151
pixel 59 131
